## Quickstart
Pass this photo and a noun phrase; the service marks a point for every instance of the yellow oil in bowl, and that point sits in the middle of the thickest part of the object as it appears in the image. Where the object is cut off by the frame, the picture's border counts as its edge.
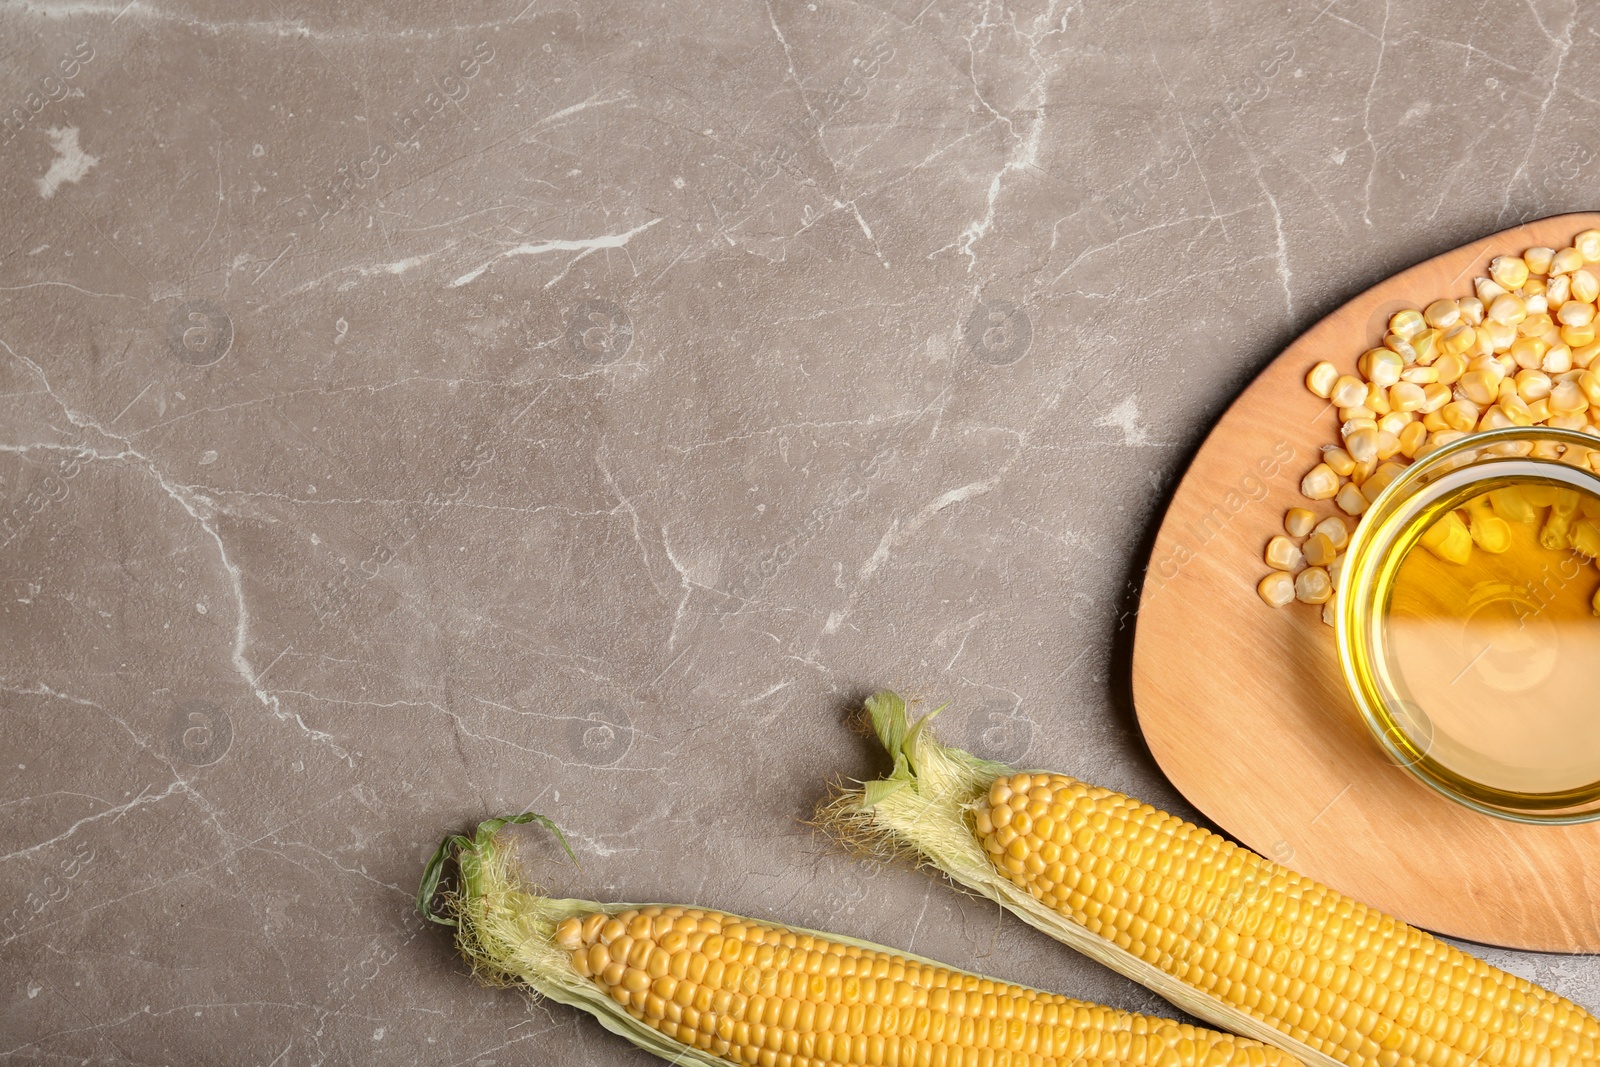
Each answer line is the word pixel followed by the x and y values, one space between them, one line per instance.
pixel 1468 626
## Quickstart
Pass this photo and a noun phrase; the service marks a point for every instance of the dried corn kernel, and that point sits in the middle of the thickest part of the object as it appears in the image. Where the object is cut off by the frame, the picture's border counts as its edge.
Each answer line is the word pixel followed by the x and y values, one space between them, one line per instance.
pixel 1348 391
pixel 1338 459
pixel 1533 385
pixel 1318 550
pixel 1350 499
pixel 1277 588
pixel 1588 245
pixel 1565 261
pixel 1283 554
pixel 1335 530
pixel 1538 259
pixel 1411 438
pixel 1321 378
pixel 1449 539
pixel 1320 483
pixel 1299 522
pixel 1381 367
pixel 1312 586
pixel 1407 324
pixel 1585 286
pixel 1404 396
pixel 1489 531
pixel 1509 272
pixel 1508 310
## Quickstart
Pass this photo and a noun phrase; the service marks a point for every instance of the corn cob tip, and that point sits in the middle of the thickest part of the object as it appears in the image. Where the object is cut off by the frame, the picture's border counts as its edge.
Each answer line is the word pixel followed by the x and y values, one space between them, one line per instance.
pixel 474 856
pixel 929 786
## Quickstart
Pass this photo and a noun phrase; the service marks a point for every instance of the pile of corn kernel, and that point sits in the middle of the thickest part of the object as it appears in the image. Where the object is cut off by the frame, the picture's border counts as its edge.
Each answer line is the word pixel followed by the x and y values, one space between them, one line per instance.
pixel 1516 353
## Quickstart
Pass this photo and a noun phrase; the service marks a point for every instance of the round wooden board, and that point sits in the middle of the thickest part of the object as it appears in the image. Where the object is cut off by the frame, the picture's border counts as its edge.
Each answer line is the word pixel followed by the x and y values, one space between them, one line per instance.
pixel 1245 709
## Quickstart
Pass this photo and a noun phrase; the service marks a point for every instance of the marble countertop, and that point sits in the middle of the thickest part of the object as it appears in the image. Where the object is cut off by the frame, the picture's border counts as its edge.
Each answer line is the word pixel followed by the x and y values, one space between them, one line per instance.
pixel 412 416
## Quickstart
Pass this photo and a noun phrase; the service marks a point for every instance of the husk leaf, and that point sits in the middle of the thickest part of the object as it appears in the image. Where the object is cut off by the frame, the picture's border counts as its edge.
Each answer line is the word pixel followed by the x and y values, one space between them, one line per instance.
pixel 922 810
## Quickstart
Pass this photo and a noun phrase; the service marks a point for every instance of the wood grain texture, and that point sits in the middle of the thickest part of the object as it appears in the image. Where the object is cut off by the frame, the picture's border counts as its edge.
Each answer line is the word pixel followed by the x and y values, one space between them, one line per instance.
pixel 1245 709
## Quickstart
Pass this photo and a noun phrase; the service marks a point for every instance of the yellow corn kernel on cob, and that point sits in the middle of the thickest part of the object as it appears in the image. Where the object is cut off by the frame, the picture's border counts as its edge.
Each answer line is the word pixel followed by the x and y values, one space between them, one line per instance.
pixel 1231 937
pixel 702 987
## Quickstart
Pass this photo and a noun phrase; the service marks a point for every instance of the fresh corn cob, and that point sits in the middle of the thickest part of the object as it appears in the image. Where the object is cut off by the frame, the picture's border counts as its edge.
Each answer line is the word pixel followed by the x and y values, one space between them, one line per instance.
pixel 702 987
pixel 1233 938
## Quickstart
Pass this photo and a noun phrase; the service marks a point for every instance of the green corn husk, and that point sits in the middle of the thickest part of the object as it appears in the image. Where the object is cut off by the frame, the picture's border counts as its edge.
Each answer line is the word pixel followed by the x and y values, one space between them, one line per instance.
pixel 922 811
pixel 507 933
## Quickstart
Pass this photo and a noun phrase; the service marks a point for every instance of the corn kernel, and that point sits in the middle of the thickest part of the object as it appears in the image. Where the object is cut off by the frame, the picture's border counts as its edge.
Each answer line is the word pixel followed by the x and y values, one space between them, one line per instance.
pixel 1528 351
pixel 1425 347
pixel 1510 504
pixel 1441 314
pixel 1334 529
pixel 1385 474
pixel 1377 399
pixel 1515 409
pixel 1320 483
pixel 1501 334
pixel 1449 539
pixel 1403 396
pixel 1299 521
pixel 1407 324
pixel 1558 290
pixel 1318 550
pixel 1321 379
pixel 1277 589
pixel 1538 259
pixel 1380 366
pixel 1457 339
pixel 1565 261
pixel 1471 310
pixel 1412 437
pixel 1348 391
pixel 1536 324
pixel 1589 382
pixel 1508 271
pixel 1283 554
pixel 1557 360
pixel 1350 499
pixel 1585 286
pixel 1461 414
pixel 1450 367
pixel 1533 385
pixel 1568 398
pixel 1361 439
pixel 1575 313
pixel 1338 459
pixel 1578 336
pixel 1588 245
pixel 1494 418
pixel 1420 375
pixel 1312 586
pixel 1480 387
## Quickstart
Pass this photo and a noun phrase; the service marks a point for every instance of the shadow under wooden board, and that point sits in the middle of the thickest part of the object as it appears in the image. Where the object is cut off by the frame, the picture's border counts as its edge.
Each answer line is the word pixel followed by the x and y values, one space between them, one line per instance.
pixel 1245 708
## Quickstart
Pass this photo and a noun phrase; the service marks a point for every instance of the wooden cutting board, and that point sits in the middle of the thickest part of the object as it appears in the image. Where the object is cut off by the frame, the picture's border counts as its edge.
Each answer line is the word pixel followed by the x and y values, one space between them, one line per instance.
pixel 1245 709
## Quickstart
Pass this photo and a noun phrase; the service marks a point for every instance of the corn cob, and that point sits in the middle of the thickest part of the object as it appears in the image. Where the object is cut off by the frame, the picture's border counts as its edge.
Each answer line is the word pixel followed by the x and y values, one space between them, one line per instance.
pixel 1233 938
pixel 702 987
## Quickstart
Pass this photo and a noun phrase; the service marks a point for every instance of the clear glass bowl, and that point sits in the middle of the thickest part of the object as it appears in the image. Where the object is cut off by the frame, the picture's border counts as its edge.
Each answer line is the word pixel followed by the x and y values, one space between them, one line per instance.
pixel 1478 671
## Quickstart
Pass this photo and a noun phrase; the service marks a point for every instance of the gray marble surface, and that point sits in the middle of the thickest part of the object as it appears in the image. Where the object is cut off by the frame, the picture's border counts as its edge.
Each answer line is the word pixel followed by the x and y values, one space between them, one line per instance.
pixel 414 413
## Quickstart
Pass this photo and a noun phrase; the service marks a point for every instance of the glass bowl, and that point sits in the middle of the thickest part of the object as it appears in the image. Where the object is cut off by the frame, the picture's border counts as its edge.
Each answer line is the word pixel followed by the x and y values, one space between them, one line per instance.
pixel 1467 626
